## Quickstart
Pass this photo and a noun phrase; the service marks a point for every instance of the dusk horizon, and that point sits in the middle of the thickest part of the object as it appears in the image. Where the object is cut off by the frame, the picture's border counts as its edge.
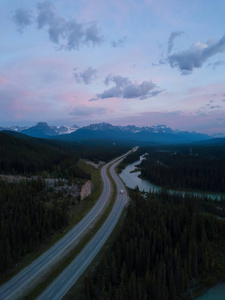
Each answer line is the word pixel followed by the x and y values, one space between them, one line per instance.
pixel 142 63
pixel 46 129
pixel 70 125
pixel 112 149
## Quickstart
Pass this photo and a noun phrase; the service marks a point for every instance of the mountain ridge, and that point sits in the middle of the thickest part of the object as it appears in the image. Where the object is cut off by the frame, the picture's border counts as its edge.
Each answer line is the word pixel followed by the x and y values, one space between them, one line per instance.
pixel 41 130
pixel 99 131
pixel 156 134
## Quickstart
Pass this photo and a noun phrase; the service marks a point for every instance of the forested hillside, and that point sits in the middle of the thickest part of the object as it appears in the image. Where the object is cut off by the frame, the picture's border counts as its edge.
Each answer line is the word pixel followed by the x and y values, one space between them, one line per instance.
pixel 26 221
pixel 163 252
pixel 194 168
pixel 29 156
pixel 18 156
pixel 31 210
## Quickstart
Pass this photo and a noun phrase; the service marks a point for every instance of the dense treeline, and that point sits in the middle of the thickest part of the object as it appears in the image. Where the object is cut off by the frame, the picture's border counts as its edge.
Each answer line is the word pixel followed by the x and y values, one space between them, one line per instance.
pixel 162 252
pixel 25 220
pixel 28 156
pixel 19 156
pixel 133 157
pixel 100 150
pixel 199 169
pixel 29 212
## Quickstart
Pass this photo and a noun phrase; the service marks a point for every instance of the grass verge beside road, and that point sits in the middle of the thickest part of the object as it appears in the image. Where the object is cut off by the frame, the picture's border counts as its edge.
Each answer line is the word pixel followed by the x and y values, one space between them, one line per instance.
pixel 76 291
pixel 86 205
pixel 72 255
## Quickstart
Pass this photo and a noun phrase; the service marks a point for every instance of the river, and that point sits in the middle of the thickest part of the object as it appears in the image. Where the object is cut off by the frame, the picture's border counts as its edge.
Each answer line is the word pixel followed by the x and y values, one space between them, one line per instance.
pixel 132 181
pixel 215 293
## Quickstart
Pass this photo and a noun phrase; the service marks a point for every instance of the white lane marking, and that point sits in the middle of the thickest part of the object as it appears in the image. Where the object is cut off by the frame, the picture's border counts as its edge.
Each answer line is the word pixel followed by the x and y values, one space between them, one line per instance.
pixel 50 294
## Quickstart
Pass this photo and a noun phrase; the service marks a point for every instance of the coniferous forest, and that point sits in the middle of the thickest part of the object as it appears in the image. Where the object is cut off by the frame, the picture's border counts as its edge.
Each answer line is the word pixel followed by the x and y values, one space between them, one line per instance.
pixel 194 168
pixel 30 156
pixel 30 211
pixel 164 250
pixel 26 222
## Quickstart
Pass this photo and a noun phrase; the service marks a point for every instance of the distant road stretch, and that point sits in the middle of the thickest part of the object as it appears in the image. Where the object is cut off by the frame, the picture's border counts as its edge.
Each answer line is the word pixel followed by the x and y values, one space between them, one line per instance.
pixel 61 285
pixel 25 280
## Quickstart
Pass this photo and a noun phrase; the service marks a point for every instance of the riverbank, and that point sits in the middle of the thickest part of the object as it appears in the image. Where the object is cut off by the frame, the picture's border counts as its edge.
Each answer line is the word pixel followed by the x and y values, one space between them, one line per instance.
pixel 131 177
pixel 215 293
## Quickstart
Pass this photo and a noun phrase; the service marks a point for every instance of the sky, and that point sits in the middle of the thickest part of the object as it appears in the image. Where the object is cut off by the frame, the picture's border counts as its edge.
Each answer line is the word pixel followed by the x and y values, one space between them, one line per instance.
pixel 138 62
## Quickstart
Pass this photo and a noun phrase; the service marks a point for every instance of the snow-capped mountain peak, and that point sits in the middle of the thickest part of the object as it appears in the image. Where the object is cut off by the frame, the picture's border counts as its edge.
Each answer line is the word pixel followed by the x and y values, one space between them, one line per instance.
pixel 42 129
pixel 157 133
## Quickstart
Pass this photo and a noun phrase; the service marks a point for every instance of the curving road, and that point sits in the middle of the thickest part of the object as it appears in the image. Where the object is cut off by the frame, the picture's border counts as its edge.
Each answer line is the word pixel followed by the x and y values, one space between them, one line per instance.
pixel 25 280
pixel 61 285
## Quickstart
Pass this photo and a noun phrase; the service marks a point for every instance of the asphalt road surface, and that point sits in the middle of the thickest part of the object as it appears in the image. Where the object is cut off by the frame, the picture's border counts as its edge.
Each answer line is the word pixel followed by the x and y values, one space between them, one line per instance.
pixel 61 285
pixel 25 280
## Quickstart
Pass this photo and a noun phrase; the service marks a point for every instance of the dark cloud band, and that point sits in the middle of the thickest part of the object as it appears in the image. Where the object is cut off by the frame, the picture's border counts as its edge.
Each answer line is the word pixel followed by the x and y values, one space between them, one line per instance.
pixel 87 76
pixel 195 57
pixel 125 88
pixel 22 18
pixel 67 34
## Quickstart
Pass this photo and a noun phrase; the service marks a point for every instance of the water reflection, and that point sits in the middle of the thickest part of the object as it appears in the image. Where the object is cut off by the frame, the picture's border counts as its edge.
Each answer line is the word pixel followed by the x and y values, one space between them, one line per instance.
pixel 132 181
pixel 215 293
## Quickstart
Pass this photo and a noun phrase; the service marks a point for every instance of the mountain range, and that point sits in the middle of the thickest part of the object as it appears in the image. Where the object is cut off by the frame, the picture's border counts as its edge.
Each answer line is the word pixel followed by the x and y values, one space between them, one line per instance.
pixel 42 130
pixel 104 131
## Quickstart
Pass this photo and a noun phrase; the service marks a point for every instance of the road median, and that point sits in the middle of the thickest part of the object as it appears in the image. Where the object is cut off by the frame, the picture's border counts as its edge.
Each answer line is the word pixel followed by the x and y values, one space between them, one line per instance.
pixel 59 267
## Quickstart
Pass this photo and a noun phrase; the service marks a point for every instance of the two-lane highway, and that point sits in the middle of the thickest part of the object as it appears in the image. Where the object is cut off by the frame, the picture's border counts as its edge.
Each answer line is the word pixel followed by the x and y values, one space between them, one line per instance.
pixel 28 277
pixel 61 285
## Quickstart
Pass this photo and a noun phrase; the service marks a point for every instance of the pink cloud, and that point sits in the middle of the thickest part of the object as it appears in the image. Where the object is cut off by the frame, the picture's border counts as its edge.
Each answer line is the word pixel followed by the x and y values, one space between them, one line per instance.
pixel 3 81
